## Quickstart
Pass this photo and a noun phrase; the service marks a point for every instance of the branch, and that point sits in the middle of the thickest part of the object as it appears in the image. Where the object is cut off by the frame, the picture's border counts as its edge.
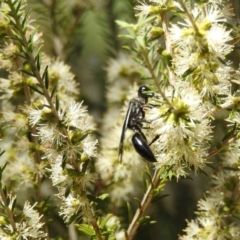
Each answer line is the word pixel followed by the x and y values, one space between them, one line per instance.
pixel 146 201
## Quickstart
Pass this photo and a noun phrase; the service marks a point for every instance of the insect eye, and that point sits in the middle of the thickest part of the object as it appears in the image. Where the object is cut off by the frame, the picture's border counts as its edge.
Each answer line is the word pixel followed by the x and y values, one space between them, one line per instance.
pixel 142 89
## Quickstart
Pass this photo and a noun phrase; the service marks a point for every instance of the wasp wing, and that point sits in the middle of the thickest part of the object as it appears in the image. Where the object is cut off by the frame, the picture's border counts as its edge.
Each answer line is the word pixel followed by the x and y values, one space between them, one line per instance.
pixel 124 128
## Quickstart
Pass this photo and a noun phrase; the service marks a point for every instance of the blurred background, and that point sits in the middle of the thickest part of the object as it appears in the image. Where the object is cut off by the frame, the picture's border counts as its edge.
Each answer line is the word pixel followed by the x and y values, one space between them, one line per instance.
pixel 84 35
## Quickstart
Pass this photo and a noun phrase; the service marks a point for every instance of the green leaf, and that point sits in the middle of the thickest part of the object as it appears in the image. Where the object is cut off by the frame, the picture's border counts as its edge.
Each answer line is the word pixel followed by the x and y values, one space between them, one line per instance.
pixel 20 55
pixel 67 190
pixel 84 166
pixel 144 220
pixel 229 133
pixel 202 171
pixel 16 35
pixel 96 200
pixel 211 166
pixel 123 24
pixel 47 106
pixel 18 6
pixel 138 202
pixel 2 168
pixel 104 196
pixel 57 102
pixel 86 229
pixel 53 91
pixel 1 153
pixel 105 220
pixel 127 48
pixel 72 218
pixel 28 73
pixel 130 212
pixel 25 18
pixel 5 190
pixel 126 36
pixel 45 77
pixel 35 90
pixel 2 214
pixel 143 20
pixel 38 60
pixel 14 204
pixel 148 175
pixel 188 72
pixel 64 158
pixel 159 197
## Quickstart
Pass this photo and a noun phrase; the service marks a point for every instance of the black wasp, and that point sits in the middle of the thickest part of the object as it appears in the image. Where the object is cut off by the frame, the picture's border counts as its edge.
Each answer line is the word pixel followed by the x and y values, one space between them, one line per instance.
pixel 134 120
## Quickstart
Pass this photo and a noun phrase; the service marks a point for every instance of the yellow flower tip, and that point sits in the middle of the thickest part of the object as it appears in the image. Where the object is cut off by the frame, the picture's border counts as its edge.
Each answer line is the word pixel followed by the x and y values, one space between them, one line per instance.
pixel 181 109
pixel 47 115
pixel 53 76
pixel 172 118
pixel 75 137
pixel 38 104
pixel 166 54
pixel 3 25
pixel 156 32
pixel 160 50
pixel 30 81
pixel 187 32
pixel 205 25
pixel 2 220
pixel 84 157
pixel 154 10
pixel 205 82
pixel 236 100
pixel 27 67
pixel 203 28
pixel 124 72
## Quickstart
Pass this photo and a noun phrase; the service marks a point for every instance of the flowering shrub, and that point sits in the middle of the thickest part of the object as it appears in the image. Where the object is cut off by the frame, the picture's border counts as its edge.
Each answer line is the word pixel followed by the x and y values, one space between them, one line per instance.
pixel 57 162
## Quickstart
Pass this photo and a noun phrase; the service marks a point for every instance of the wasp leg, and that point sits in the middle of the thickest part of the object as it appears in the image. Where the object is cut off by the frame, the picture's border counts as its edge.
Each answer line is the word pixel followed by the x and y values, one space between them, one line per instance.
pixel 154 139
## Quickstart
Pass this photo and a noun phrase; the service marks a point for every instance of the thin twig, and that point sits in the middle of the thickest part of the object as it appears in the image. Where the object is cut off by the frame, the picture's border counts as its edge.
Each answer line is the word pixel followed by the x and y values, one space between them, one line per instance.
pixel 165 26
pixel 224 145
pixel 145 203
pixel 8 211
pixel 189 15
pixel 154 77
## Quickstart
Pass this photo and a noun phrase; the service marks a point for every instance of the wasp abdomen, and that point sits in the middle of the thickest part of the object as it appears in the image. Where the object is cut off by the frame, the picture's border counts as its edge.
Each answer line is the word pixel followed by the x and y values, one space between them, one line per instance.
pixel 142 148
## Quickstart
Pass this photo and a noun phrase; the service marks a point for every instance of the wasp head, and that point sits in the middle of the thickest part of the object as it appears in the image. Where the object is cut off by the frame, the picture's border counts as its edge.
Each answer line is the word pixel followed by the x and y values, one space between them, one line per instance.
pixel 143 94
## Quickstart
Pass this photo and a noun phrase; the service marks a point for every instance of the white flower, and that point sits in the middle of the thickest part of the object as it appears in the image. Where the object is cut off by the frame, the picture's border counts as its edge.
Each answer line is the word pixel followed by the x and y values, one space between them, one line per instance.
pixel 216 13
pixel 49 134
pixel 6 91
pixel 144 8
pixel 184 133
pixel 218 39
pixel 30 225
pixel 123 67
pixel 121 235
pixel 217 212
pixel 35 116
pixel 57 175
pixel 200 53
pixel 76 115
pixel 89 147
pixel 86 180
pixel 192 231
pixel 61 75
pixel 73 206
pixel 122 190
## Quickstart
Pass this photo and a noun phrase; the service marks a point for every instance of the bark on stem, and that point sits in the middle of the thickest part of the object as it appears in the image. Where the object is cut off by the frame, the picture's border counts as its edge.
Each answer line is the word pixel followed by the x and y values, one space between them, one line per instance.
pixel 145 203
